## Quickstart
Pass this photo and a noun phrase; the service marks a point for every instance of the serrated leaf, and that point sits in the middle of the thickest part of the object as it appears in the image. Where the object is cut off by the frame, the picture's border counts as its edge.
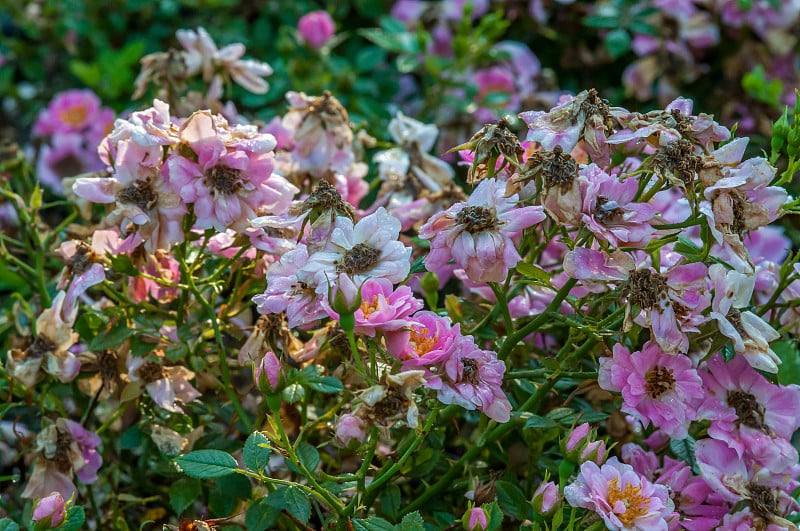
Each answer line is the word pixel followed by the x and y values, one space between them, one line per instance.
pixel 111 338
pixel 495 515
pixel 512 500
pixel 540 423
pixel 297 503
pixel 684 450
pixel 293 393
pixel 6 524
pixel 255 455
pixel 74 520
pixel 373 523
pixel 531 271
pixel 326 384
pixel 206 464
pixel 182 493
pixel 390 501
pixel 261 515
pixel 308 456
pixel 412 522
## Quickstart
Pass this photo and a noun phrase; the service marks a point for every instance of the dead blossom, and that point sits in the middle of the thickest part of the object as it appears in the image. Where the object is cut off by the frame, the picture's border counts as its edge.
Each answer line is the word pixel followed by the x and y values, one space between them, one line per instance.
pixel 224 180
pixel 607 211
pixel 660 381
pixel 358 260
pixel 749 411
pixel 679 159
pixel 151 371
pixel 475 219
pixel 646 289
pixel 82 260
pixel 139 193
pixel 325 197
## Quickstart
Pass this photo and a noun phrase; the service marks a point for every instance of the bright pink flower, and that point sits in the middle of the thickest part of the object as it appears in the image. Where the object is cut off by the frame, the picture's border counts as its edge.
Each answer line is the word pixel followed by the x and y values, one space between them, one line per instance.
pixel 383 308
pixel 478 234
pixel 658 388
pixel 751 415
pixel 286 293
pixel 316 28
pixel 231 179
pixel 63 448
pixel 428 340
pixel 609 211
pixel 622 498
pixel 368 249
pixel 473 379
pixel 50 507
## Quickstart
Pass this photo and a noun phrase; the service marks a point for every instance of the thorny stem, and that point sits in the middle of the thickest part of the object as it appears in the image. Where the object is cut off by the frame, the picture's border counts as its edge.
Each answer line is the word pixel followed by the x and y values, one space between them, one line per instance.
pixel 223 357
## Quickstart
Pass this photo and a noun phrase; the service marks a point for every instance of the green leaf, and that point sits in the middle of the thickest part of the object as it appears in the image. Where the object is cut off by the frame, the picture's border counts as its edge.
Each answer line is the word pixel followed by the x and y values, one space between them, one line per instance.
pixel 512 500
pixel 418 266
pixel 255 455
pixel 531 271
pixel 308 456
pixel 111 338
pixel 390 501
pixel 789 369
pixel 7 524
pixel 74 520
pixel 261 515
pixel 326 384
pixel 182 493
pixel 293 393
pixel 297 503
pixel 207 464
pixel 540 423
pixel 122 263
pixel 618 43
pixel 373 523
pixel 684 450
pixel 495 515
pixel 226 493
pixel 36 198
pixel 412 522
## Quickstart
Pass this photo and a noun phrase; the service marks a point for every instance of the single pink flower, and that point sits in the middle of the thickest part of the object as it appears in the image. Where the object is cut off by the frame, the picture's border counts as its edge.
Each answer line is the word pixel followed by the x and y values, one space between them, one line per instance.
pixel 622 498
pixel 72 111
pixel 349 428
pixel 382 308
pixel 427 341
pixel 316 28
pixel 478 234
pixel 657 387
pixel 473 379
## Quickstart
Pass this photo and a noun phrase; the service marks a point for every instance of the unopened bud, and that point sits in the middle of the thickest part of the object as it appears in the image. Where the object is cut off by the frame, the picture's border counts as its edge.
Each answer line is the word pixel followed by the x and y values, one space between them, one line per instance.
pixel 475 519
pixel 49 512
pixel 268 373
pixel 576 440
pixel 546 499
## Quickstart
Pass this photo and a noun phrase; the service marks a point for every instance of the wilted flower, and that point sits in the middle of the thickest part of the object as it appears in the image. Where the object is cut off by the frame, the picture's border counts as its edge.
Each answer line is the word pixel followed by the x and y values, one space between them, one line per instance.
pixel 478 234
pixel 63 448
pixel 169 387
pixel 385 403
pixel 349 428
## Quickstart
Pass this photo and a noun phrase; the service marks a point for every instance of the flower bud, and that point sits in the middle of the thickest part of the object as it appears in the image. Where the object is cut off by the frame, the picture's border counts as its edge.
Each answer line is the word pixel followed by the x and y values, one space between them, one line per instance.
pixel 475 519
pixel 349 428
pixel 269 368
pixel 546 499
pixel 594 451
pixel 793 144
pixel 576 440
pixel 316 28
pixel 49 511
pixel 345 300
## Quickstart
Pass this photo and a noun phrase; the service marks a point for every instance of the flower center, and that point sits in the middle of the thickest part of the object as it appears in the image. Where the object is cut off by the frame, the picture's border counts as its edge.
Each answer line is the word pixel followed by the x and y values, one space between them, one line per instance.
pixel 82 260
pixel 762 500
pixel 679 158
pixel 607 211
pixel 559 169
pixel 393 404
pixel 421 342
pixel 646 289
pixel 475 219
pixel 659 381
pixel 748 410
pixel 40 346
pixel 61 457
pixel 360 259
pixel 470 372
pixel 107 367
pixel 74 115
pixel 325 197
pixel 224 180
pixel 636 505
pixel 735 318
pixel 369 307
pixel 739 223
pixel 138 193
pixel 151 372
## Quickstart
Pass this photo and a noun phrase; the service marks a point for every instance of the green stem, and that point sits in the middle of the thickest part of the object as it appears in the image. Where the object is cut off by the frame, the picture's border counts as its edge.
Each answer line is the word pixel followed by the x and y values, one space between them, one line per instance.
pixel 503 303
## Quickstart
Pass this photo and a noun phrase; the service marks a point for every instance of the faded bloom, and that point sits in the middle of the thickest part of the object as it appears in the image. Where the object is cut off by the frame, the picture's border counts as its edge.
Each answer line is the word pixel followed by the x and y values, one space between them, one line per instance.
pixel 621 497
pixel 349 428
pixel 169 387
pixel 63 448
pixel 478 234
pixel 386 403
pixel 316 28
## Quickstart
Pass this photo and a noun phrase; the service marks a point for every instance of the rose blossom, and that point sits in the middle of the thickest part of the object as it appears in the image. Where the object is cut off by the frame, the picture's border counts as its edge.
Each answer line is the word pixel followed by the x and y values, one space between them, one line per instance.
pixel 316 28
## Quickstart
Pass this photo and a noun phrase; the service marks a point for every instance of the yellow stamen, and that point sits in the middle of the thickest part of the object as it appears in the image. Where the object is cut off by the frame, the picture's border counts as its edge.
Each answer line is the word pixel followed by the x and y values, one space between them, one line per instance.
pixel 74 115
pixel 369 307
pixel 636 505
pixel 421 342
